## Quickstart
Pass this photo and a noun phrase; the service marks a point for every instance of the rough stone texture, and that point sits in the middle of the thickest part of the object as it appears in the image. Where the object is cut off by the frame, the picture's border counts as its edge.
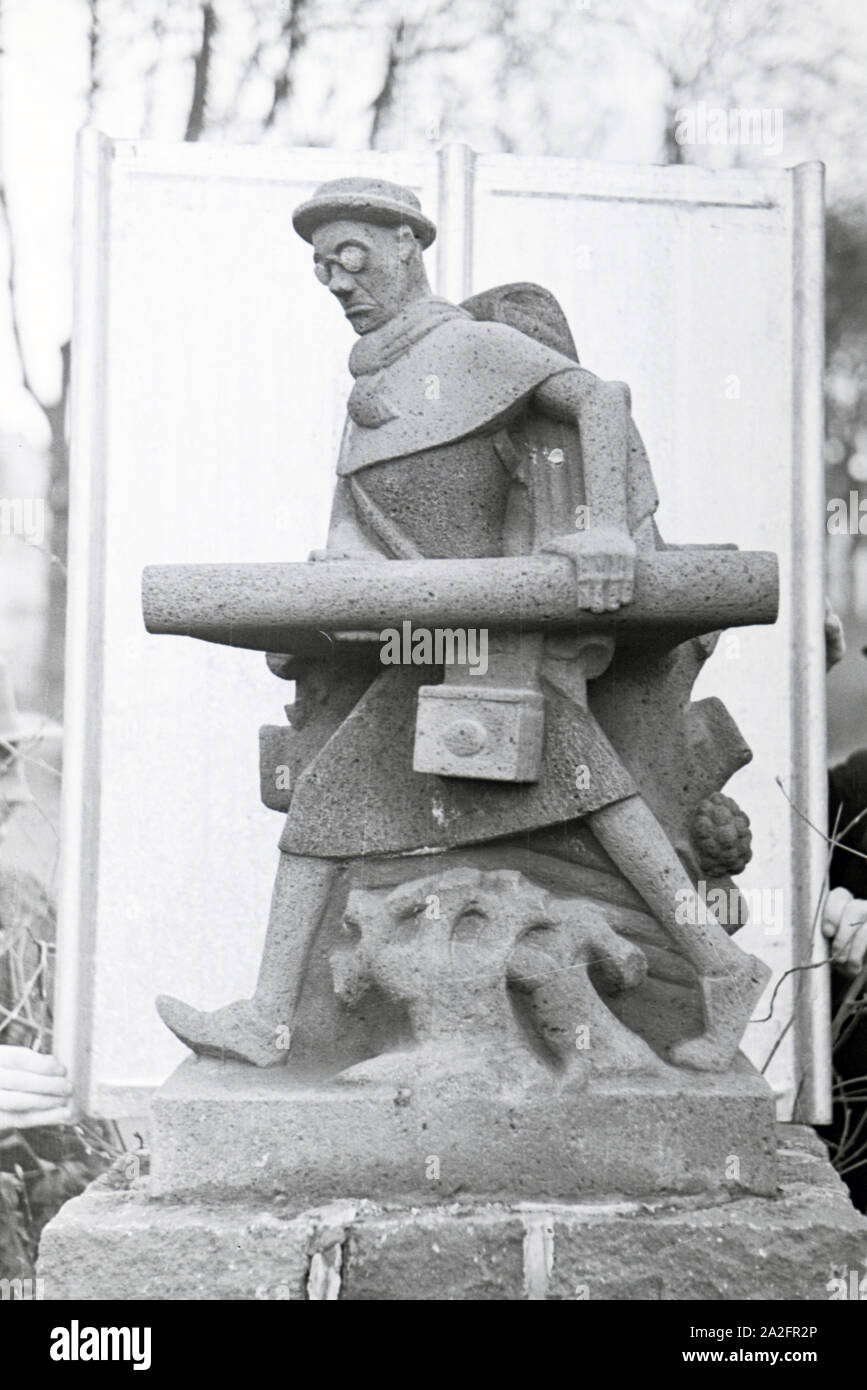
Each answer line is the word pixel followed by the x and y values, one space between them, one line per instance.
pixel 225 1128
pixel 452 977
pixel 281 606
pixel 484 479
pixel 119 1245
pixel 485 733
pixel 125 1244
pixel 749 1249
pixel 378 201
pixel 445 1253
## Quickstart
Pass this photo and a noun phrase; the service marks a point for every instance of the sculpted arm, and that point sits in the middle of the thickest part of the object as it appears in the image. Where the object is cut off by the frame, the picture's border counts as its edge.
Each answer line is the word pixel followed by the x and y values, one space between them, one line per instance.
pixel 603 551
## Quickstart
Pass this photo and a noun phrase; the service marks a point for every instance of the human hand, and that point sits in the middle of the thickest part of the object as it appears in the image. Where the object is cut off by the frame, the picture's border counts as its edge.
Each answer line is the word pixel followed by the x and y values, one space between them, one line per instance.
pixel 844 923
pixel 835 637
pixel 604 558
pixel 33 1089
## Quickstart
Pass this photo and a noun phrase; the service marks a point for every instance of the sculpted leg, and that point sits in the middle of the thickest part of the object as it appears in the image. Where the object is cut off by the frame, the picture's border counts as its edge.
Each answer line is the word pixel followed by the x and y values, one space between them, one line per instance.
pixel 730 981
pixel 258 1030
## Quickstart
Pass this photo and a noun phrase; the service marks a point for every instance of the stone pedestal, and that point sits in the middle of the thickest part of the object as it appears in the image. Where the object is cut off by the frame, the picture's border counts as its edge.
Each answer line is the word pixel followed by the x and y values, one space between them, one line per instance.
pixel 125 1243
pixel 224 1129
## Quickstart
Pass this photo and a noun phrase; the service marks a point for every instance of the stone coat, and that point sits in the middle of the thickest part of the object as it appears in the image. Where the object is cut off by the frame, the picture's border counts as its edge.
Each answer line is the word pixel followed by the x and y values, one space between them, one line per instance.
pixel 447 470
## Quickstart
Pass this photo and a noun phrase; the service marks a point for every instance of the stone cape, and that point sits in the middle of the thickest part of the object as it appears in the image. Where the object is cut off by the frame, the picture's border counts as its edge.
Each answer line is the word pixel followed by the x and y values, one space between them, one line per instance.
pixel 433 480
pixel 354 790
pixel 455 379
pixel 360 795
pixel 460 379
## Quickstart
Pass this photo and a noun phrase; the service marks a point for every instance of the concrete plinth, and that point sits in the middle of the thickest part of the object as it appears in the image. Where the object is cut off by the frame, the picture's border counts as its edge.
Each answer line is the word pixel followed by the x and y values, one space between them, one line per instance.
pixel 128 1244
pixel 221 1128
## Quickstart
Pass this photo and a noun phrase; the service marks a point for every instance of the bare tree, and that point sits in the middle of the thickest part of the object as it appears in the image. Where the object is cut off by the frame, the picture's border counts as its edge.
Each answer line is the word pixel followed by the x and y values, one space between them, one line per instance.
pixel 54 412
pixel 294 34
pixel 783 50
pixel 395 60
pixel 416 41
pixel 201 73
pixel 92 54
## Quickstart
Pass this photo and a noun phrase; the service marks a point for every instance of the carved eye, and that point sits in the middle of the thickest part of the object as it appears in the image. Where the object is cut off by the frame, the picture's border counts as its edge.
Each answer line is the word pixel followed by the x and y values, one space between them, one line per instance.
pixel 353 259
pixel 350 258
pixel 543 935
pixel 410 921
pixel 470 924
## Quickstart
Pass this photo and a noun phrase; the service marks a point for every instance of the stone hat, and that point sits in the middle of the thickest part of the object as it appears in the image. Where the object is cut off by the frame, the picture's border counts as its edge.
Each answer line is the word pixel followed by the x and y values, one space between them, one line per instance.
pixel 363 200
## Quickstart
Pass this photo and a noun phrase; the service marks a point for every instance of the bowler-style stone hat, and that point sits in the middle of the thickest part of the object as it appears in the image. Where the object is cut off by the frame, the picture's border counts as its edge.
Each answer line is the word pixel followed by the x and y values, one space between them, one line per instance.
pixel 363 200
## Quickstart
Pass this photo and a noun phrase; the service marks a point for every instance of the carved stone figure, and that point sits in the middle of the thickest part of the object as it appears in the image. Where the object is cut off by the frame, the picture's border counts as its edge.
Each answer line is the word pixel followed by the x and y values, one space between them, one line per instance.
pixel 559 796
pixel 453 967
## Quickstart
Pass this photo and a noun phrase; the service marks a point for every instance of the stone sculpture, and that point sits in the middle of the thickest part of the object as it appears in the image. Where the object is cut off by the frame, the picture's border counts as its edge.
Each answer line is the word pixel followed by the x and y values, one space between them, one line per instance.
pixel 484 861
pixel 492 932
pixel 495 1035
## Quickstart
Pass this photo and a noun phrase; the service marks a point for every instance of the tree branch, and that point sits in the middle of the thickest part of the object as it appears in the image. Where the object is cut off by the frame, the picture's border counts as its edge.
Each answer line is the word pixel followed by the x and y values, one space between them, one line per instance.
pixel 294 34
pixel 12 291
pixel 198 105
pixel 92 56
pixel 384 99
pixel 252 64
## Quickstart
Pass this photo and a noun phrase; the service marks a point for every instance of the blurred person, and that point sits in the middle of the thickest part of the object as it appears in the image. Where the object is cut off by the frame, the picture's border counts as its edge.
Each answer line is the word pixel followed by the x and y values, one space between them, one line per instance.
pixel 34 1089
pixel 844 924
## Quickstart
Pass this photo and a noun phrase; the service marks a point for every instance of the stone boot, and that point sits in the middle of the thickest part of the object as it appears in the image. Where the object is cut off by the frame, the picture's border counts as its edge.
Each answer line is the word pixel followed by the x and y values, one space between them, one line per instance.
pixel 728 1002
pixel 237 1031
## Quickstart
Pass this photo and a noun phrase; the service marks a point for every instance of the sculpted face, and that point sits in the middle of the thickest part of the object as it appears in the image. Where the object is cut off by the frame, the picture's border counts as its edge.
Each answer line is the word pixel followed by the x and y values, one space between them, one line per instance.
pixel 373 271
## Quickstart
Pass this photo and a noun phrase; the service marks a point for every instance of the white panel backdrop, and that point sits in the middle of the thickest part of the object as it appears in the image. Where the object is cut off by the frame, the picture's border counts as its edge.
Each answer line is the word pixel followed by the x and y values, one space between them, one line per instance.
pixel 209 386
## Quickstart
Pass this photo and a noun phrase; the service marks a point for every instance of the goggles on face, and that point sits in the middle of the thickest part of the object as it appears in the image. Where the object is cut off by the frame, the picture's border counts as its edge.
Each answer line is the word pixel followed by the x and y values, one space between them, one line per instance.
pixel 352 259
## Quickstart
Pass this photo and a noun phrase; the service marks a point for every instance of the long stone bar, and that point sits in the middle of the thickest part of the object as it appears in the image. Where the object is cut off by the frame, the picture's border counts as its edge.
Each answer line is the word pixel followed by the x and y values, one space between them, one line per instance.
pixel 273 607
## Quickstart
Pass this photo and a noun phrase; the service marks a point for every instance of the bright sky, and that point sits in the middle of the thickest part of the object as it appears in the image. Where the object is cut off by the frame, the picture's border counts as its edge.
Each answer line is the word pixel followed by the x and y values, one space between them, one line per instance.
pixel 42 105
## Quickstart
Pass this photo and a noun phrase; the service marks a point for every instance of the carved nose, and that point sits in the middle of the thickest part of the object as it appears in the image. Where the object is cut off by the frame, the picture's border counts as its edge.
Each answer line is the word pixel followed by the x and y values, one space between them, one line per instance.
pixel 340 283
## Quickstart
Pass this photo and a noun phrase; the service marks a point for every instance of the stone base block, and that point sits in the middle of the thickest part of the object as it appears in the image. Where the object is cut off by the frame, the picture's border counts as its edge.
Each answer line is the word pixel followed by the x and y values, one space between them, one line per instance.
pixel 221 1128
pixel 112 1244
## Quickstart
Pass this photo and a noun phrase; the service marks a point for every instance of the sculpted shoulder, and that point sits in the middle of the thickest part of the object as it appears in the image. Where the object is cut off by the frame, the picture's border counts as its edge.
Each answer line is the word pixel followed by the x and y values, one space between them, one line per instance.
pixel 458 378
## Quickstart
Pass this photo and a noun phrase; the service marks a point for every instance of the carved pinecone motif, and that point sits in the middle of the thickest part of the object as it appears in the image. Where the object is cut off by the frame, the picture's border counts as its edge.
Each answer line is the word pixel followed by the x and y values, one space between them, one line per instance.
pixel 721 834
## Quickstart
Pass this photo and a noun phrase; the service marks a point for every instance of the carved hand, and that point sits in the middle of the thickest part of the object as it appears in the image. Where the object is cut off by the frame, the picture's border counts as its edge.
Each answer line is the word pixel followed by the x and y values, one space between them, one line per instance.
pixel 604 558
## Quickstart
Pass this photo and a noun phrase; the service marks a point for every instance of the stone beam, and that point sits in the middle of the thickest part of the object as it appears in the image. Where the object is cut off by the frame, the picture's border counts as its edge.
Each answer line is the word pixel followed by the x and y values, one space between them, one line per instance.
pixel 273 607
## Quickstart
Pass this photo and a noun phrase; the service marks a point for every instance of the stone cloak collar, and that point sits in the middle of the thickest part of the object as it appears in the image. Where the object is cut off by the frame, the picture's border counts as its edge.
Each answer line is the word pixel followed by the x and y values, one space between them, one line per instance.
pixel 434 374
pixel 375 351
